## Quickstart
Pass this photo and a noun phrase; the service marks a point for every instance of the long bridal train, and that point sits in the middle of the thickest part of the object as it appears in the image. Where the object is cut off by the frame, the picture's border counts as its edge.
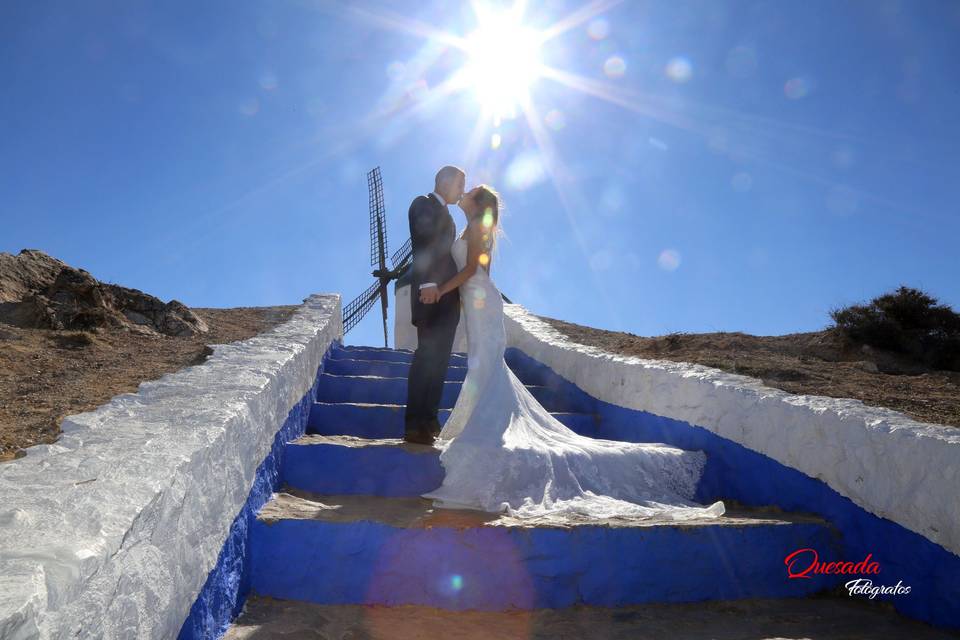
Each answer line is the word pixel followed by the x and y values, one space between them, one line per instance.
pixel 502 451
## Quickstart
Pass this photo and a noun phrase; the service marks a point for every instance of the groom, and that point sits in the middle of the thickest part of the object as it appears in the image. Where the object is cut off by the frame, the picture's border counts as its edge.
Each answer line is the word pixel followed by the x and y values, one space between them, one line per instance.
pixel 432 232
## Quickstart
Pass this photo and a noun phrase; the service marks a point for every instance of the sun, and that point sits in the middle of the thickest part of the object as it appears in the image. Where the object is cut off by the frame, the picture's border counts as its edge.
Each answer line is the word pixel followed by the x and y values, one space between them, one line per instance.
pixel 503 62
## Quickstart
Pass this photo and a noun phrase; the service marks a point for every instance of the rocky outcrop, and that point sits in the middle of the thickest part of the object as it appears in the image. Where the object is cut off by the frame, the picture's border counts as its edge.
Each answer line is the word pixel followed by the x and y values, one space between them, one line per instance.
pixel 38 291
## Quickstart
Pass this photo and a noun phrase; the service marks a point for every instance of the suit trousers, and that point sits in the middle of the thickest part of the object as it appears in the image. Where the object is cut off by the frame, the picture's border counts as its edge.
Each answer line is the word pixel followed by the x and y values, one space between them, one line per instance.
pixel 428 371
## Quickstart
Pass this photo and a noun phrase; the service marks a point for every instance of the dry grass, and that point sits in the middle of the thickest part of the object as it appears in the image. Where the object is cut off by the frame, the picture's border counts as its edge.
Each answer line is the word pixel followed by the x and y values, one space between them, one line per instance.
pixel 46 374
pixel 816 363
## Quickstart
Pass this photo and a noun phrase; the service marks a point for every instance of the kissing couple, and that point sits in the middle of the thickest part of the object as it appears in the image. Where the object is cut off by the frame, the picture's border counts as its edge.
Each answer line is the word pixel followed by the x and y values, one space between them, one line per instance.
pixel 501 450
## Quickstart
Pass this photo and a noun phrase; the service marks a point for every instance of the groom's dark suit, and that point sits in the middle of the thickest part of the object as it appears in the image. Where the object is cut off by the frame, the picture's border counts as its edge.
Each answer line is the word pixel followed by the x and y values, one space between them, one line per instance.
pixel 432 232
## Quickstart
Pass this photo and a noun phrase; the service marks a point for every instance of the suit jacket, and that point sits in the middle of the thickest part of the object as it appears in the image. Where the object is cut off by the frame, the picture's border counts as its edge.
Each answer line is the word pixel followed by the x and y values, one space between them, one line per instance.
pixel 432 232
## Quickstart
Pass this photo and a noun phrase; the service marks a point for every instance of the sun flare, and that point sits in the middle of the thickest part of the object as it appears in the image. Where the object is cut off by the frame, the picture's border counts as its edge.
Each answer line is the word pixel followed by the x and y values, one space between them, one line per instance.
pixel 503 61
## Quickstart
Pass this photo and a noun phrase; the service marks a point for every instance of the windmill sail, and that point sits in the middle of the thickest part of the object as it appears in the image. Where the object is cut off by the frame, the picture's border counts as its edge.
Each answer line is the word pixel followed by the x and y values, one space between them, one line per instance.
pixel 378 223
pixel 402 256
pixel 359 306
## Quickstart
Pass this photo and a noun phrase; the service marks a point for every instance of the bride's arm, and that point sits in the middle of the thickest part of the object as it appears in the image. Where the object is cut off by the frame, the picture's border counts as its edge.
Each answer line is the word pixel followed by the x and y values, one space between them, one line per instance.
pixel 474 235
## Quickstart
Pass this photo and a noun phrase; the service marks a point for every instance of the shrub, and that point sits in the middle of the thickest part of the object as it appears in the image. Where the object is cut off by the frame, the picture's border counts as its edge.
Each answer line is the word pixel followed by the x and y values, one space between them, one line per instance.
pixel 907 321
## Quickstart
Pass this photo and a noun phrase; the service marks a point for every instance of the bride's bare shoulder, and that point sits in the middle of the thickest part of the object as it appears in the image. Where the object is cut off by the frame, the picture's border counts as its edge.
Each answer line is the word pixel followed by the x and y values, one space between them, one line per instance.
pixel 474 229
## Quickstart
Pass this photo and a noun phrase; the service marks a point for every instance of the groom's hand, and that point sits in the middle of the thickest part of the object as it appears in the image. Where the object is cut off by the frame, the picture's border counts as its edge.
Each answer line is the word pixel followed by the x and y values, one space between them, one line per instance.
pixel 429 295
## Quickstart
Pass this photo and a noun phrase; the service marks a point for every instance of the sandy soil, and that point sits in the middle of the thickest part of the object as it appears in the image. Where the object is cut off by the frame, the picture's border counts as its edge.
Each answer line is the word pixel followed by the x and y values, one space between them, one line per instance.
pixel 815 363
pixel 824 617
pixel 46 374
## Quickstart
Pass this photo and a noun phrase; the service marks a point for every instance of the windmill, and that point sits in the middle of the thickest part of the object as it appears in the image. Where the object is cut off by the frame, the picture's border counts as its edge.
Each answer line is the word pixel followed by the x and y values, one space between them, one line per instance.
pixel 359 306
pixel 400 260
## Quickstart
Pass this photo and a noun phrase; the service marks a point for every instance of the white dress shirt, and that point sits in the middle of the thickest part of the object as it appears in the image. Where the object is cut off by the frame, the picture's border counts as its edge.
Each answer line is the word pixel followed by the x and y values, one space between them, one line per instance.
pixel 444 203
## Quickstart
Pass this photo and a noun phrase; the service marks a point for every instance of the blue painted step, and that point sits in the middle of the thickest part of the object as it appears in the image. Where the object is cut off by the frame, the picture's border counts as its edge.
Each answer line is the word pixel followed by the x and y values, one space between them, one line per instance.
pixel 380 420
pixel 389 355
pixel 350 361
pixel 382 368
pixel 370 389
pixel 396 364
pixel 394 551
pixel 351 465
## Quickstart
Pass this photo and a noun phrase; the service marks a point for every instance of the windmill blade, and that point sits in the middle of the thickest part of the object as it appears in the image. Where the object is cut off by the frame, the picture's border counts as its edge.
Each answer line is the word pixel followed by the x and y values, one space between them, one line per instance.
pixel 402 255
pixel 378 221
pixel 359 306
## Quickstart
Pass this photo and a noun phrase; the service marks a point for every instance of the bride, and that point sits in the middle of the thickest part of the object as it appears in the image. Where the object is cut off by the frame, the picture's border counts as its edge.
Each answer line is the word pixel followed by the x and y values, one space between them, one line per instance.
pixel 502 451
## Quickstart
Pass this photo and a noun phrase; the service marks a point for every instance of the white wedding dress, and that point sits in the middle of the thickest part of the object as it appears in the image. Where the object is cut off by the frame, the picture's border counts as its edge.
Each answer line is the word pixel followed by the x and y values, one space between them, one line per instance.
pixel 502 451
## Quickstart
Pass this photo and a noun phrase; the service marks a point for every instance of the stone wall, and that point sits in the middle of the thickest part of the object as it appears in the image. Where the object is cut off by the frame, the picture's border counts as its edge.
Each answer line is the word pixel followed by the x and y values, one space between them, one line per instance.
pixel 117 529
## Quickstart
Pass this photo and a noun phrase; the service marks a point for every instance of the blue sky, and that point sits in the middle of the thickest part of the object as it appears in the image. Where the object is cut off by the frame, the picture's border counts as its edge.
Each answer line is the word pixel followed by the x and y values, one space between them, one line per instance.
pixel 739 166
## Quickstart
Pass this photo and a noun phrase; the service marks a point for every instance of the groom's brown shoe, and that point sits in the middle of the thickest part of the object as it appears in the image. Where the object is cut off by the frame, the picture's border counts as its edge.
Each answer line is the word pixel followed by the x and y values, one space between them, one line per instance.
pixel 418 432
pixel 418 437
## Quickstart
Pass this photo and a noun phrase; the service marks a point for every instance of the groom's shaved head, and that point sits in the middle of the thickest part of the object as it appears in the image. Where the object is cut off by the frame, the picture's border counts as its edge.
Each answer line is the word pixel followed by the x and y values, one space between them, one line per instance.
pixel 448 174
pixel 450 183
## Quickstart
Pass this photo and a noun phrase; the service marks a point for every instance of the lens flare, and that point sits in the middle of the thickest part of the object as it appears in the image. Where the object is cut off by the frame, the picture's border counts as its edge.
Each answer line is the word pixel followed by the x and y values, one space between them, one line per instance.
pixel 395 70
pixel 487 219
pixel 796 88
pixel 601 260
pixel 615 67
pixel 657 143
pixel 598 29
pixel 526 170
pixel 268 81
pixel 555 120
pixel 679 69
pixel 250 107
pixel 669 259
pixel 843 157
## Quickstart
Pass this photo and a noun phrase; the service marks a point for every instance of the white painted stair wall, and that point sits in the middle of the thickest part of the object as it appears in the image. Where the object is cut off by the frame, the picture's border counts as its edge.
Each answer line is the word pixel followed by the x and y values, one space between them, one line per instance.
pixel 111 531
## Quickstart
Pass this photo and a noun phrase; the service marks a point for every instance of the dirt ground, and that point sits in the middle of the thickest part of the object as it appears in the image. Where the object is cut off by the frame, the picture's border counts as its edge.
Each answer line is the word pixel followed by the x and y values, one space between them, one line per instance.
pixel 824 617
pixel 47 374
pixel 815 363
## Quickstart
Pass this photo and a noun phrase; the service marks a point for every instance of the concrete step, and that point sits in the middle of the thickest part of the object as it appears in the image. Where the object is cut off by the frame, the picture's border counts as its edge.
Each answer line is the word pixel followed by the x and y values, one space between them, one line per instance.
pixel 350 465
pixel 350 549
pixel 369 389
pixel 396 363
pixel 339 464
pixel 824 617
pixel 383 368
pixel 388 355
pixel 381 420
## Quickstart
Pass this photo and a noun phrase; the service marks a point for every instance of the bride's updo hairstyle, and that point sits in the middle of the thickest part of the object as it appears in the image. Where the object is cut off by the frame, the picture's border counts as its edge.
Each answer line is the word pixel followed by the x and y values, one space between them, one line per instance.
pixel 488 211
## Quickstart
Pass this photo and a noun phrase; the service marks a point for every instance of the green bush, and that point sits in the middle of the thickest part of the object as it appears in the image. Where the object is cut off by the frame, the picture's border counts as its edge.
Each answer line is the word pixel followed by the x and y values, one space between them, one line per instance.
pixel 907 321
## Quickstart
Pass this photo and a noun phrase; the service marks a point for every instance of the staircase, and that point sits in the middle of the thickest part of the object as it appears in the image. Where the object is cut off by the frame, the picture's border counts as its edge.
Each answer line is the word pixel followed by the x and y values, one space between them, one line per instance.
pixel 349 528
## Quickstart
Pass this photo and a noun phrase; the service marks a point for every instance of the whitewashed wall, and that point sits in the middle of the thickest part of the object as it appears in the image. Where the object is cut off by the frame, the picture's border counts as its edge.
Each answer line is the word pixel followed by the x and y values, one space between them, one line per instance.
pixel 116 525
pixel 890 465
pixel 405 334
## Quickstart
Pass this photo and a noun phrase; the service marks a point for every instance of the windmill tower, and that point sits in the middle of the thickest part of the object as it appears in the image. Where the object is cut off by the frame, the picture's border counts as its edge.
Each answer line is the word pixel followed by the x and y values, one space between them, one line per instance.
pixel 359 306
